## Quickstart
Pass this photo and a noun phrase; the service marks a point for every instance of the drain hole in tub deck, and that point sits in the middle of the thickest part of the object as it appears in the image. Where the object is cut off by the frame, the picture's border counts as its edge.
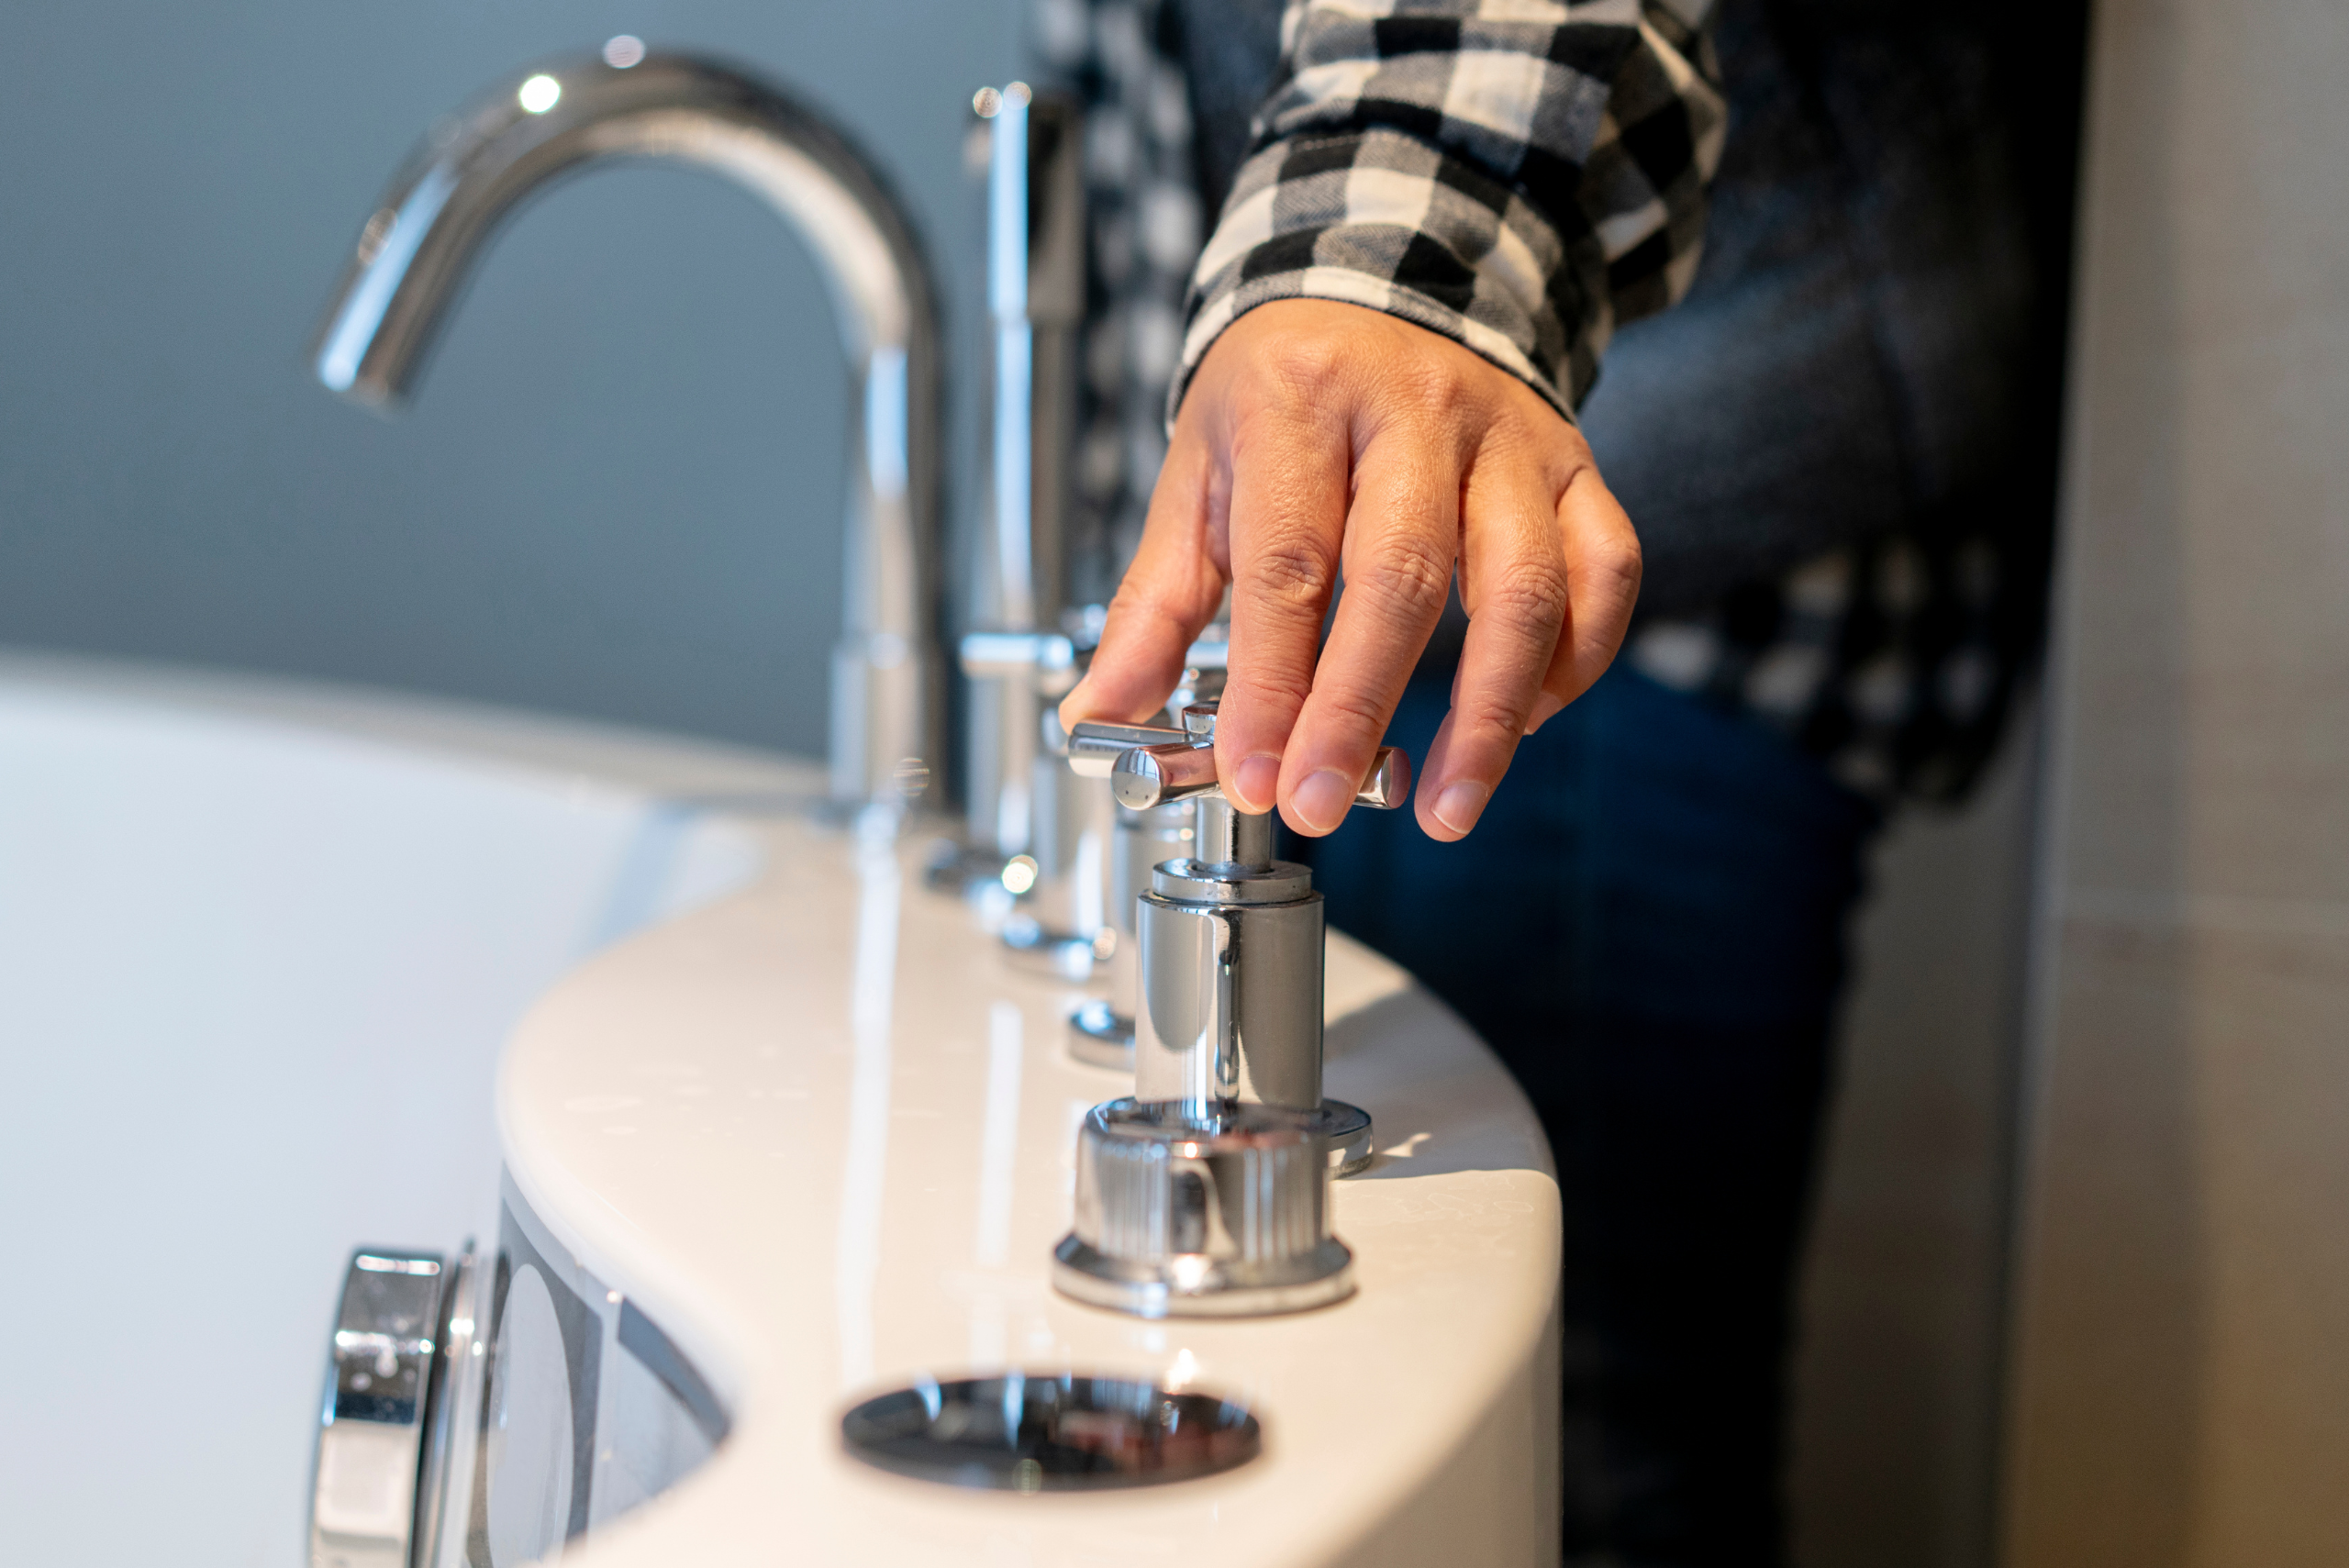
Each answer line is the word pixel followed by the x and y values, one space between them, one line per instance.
pixel 1055 1432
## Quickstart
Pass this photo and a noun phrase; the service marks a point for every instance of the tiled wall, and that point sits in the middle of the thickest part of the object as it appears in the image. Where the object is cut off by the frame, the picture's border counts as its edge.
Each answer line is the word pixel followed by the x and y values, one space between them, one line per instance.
pixel 2180 1388
pixel 1903 1306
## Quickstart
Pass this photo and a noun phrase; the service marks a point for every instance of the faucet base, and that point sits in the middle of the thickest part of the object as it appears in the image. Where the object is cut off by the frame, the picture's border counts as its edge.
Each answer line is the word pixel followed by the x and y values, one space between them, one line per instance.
pixel 1201 1210
pixel 1189 1285
pixel 966 870
pixel 1035 948
pixel 1100 1036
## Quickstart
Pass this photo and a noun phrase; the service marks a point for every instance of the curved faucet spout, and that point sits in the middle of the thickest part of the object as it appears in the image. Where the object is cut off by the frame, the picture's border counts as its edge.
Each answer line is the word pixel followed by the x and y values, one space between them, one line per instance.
pixel 569 115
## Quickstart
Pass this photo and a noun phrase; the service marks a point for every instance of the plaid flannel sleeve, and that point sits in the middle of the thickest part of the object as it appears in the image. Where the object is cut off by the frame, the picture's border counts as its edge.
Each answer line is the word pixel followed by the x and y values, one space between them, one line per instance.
pixel 1519 176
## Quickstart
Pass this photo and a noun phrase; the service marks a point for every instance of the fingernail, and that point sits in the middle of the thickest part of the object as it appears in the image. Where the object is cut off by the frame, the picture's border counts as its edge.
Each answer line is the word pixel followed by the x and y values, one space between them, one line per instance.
pixel 1256 779
pixel 1461 804
pixel 1321 800
pixel 1545 708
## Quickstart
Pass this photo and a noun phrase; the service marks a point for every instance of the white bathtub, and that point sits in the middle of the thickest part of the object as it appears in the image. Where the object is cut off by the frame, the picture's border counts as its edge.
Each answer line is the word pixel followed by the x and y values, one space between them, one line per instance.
pixel 258 945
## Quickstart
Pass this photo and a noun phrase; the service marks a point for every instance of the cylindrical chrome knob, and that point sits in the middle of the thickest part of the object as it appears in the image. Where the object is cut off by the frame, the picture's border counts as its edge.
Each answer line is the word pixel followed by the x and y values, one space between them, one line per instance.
pixel 1189 1211
pixel 1231 985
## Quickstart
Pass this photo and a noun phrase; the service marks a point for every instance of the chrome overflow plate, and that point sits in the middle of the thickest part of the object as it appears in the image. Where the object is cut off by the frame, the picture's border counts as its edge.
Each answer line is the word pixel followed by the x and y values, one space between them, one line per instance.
pixel 387 1417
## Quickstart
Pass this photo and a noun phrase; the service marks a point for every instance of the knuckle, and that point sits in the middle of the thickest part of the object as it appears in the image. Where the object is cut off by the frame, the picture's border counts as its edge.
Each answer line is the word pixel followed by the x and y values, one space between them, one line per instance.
pixel 1410 576
pixel 1446 382
pixel 1146 605
pixel 1513 446
pixel 1289 366
pixel 1568 455
pixel 1494 722
pixel 1356 713
pixel 1154 626
pixel 1261 694
pixel 1613 568
pixel 1304 359
pixel 1292 570
pixel 1266 436
pixel 1427 378
pixel 1430 392
pixel 1531 594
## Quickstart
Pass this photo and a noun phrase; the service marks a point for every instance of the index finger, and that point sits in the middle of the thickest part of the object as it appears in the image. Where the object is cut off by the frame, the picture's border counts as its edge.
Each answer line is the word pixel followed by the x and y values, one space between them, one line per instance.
pixel 1169 594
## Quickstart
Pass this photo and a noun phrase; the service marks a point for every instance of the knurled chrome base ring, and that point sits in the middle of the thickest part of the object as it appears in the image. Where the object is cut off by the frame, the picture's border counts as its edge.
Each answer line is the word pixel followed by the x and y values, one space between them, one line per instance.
pixel 1191 1287
pixel 1100 1036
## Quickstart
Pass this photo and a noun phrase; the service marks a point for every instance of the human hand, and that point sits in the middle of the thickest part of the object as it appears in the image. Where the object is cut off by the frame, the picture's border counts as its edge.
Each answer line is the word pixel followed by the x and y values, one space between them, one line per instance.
pixel 1319 439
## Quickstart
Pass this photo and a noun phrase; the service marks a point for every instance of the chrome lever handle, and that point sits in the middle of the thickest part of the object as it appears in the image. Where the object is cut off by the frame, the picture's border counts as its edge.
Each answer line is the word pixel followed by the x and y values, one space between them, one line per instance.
pixel 1094 749
pixel 1388 783
pixel 1152 764
pixel 1145 776
pixel 1152 775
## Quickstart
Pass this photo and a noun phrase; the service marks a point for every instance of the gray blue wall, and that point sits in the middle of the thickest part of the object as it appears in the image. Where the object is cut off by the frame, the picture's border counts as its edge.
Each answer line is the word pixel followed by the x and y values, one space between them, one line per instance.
pixel 618 493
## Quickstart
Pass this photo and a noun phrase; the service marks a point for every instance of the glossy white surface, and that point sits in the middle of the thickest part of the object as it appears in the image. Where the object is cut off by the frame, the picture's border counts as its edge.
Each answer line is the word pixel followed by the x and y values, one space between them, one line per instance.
pixel 258 946
pixel 825 1136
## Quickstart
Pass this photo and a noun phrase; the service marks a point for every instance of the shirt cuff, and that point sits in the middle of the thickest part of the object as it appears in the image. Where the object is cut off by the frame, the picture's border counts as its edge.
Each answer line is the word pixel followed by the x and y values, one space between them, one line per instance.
pixel 1379 218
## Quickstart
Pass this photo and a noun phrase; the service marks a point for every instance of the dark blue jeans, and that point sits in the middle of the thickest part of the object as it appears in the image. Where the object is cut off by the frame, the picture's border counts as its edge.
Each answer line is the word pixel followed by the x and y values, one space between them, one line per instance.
pixel 1648 926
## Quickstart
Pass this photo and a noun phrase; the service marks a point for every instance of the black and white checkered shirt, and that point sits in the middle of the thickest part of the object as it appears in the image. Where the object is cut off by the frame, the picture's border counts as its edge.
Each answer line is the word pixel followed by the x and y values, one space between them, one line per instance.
pixel 1522 176
pixel 1517 176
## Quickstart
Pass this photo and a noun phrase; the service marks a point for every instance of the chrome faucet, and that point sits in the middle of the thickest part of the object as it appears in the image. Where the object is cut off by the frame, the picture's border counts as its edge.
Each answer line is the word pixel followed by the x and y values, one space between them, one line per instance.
pixel 575 112
pixel 1019 658
pixel 1206 1194
pixel 1229 1001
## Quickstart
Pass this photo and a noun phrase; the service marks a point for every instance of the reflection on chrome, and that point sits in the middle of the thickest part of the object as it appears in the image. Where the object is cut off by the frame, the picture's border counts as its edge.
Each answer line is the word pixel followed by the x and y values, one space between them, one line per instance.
pixel 415 253
pixel 368 1263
